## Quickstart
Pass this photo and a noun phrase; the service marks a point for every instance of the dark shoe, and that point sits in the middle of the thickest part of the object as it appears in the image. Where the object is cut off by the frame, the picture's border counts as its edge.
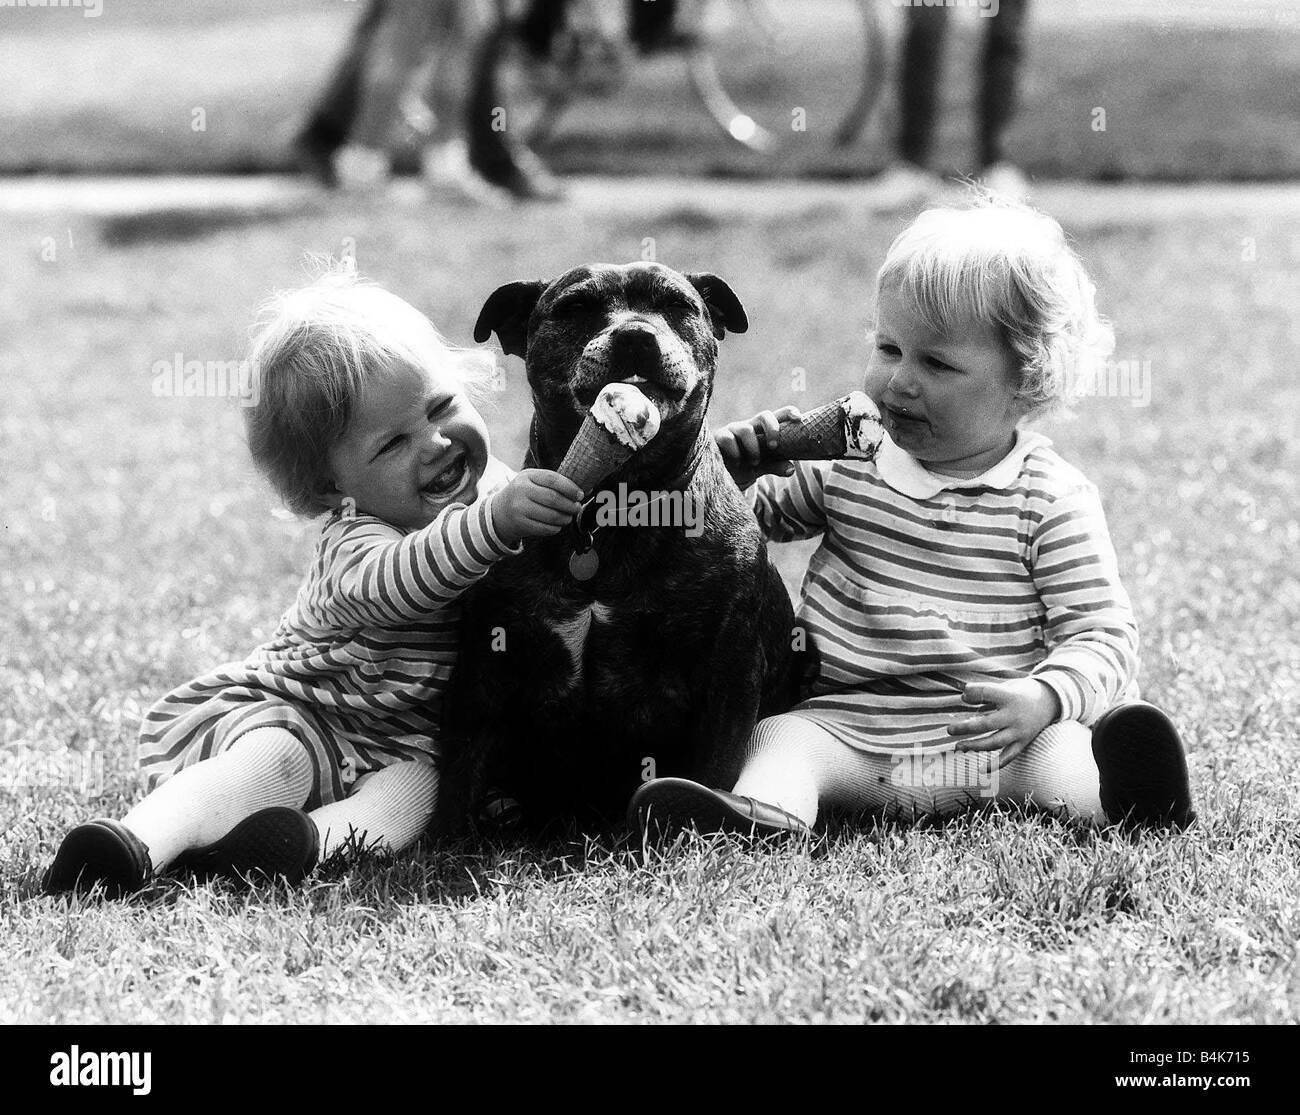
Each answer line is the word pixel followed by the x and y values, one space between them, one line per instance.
pixel 523 174
pixel 1143 768
pixel 100 851
pixel 664 806
pixel 274 841
pixel 314 156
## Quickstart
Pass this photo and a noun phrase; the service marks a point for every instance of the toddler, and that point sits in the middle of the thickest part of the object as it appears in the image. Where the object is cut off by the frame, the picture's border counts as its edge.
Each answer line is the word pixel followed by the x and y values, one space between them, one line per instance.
pixel 970 635
pixel 325 737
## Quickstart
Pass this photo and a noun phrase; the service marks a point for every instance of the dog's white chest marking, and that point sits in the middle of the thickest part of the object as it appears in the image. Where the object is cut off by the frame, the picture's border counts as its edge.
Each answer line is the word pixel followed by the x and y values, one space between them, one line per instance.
pixel 573 633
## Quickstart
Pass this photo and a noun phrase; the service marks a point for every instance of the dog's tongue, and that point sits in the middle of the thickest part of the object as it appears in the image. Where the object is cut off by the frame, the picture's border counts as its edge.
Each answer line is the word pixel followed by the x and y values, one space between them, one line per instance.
pixel 627 414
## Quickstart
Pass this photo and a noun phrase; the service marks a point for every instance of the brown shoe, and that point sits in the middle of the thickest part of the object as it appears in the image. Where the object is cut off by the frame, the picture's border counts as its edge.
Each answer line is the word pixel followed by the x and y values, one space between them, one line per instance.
pixel 664 806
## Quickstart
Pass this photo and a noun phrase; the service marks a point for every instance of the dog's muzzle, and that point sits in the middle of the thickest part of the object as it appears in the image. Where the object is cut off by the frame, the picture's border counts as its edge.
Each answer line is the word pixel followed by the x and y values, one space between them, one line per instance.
pixel 635 352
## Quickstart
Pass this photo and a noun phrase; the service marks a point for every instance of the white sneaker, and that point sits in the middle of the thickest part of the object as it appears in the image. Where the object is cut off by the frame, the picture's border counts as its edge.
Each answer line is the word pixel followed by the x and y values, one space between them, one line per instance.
pixel 447 171
pixel 362 168
pixel 1006 180
pixel 904 184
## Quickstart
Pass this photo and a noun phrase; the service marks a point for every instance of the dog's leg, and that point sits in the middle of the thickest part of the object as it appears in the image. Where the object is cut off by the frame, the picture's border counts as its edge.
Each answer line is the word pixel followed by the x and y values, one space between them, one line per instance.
pixel 731 690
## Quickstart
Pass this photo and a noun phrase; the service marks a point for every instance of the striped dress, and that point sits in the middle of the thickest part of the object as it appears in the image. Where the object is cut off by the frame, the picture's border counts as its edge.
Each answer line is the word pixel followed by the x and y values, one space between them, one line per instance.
pixel 359 664
pixel 924 583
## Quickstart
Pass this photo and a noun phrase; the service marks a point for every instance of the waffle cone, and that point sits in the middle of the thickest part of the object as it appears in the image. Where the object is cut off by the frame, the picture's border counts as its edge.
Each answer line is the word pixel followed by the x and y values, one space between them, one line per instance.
pixel 817 436
pixel 594 454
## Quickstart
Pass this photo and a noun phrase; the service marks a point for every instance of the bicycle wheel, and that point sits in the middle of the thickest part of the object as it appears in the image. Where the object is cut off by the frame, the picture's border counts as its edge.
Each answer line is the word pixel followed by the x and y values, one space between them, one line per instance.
pixel 775 74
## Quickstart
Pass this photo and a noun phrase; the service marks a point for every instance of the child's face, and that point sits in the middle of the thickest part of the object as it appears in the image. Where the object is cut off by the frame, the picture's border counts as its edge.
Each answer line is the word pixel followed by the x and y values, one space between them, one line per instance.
pixel 948 399
pixel 414 445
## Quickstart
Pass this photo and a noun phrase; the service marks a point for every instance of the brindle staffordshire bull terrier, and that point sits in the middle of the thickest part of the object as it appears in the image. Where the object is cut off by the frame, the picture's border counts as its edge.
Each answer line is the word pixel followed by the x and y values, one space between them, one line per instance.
pixel 574 687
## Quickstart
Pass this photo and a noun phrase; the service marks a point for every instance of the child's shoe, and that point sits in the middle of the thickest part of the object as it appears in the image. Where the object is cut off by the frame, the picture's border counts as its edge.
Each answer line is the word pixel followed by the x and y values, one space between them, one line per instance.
pixel 1143 768
pixel 273 841
pixel 664 806
pixel 100 851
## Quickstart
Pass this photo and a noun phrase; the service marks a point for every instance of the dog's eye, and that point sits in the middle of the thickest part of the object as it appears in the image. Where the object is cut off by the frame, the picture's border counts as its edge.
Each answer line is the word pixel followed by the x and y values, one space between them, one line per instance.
pixel 675 304
pixel 579 304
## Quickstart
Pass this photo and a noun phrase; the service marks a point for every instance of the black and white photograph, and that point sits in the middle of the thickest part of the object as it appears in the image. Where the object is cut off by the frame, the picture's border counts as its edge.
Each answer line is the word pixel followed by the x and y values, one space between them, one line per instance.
pixel 651 512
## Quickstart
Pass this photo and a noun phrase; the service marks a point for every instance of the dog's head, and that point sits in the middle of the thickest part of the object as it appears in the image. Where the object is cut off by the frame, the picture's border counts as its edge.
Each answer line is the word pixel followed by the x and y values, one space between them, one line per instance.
pixel 639 323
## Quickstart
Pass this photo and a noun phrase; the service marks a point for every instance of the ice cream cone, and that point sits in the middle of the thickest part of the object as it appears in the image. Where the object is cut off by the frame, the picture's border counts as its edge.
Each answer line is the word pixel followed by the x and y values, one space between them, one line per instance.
pixel 621 421
pixel 849 427
pixel 594 454
pixel 818 435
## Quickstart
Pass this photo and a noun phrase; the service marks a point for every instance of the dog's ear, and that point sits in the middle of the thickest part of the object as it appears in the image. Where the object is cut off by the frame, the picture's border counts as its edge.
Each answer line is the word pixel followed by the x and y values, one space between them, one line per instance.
pixel 724 307
pixel 506 312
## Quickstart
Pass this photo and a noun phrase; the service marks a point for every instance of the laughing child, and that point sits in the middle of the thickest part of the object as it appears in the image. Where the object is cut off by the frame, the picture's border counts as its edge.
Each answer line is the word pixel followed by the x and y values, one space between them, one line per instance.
pixel 324 738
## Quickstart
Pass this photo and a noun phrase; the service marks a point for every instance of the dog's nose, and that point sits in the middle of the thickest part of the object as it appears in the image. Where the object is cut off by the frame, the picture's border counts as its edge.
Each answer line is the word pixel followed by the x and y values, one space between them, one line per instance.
pixel 635 343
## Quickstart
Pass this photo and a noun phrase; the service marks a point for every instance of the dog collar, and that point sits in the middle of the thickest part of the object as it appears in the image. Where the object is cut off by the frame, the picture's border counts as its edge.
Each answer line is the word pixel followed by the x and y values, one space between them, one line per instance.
pixel 584 561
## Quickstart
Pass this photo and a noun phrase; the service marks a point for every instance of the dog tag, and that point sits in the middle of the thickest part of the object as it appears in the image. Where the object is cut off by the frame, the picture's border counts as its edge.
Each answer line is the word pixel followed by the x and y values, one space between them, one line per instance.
pixel 583 566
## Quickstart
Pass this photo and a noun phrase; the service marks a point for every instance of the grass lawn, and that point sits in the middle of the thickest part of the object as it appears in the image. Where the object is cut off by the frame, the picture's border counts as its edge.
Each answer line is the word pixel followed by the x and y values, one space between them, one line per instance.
pixel 1183 99
pixel 141 550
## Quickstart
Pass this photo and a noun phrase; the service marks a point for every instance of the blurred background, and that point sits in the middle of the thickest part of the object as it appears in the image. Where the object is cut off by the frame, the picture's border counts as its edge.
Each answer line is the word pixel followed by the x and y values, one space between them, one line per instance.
pixel 1193 89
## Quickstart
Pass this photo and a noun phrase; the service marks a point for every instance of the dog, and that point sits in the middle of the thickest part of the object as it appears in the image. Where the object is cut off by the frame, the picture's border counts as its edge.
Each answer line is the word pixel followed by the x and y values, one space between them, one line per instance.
pixel 573 687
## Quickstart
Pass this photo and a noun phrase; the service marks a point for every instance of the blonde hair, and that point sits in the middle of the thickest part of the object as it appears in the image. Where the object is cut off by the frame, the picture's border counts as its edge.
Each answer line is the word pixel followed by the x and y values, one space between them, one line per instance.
pixel 1010 267
pixel 314 350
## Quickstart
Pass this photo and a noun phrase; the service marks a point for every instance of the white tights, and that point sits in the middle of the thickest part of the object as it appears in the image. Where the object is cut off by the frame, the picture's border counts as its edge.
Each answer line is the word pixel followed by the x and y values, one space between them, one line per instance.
pixel 795 763
pixel 387 809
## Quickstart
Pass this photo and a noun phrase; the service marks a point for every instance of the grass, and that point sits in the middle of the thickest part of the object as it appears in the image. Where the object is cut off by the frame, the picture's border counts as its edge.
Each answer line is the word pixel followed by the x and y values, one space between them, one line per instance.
pixel 119 93
pixel 141 550
pixel 985 919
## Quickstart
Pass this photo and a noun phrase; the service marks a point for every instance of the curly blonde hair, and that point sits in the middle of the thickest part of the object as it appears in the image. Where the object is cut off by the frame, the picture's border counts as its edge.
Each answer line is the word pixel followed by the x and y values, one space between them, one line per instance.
pixel 1009 266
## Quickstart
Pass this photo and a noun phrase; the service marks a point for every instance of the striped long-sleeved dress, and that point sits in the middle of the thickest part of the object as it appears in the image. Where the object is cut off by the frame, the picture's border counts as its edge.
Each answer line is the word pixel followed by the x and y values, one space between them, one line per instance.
pixel 923 583
pixel 359 663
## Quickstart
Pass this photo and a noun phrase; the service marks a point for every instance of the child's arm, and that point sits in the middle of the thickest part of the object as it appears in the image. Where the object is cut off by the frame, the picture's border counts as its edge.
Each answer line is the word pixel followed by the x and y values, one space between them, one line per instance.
pixel 788 500
pixel 1090 630
pixel 1091 633
pixel 792 507
pixel 375 575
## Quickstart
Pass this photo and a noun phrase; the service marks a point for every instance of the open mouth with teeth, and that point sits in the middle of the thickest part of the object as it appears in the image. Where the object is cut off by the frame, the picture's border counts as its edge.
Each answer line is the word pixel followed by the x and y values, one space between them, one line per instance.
pixel 448 480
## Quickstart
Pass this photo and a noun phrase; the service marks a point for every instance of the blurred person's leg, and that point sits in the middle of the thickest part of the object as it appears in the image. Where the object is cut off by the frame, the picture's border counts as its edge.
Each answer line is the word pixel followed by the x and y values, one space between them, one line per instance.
pixel 397 52
pixel 496 151
pixel 331 120
pixel 918 88
pixel 907 181
pixel 455 35
pixel 456 31
pixel 999 77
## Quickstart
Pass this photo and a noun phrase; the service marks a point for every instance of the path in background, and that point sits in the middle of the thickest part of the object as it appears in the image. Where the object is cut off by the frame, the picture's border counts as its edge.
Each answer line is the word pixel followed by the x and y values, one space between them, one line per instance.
pixel 251 197
pixel 1201 13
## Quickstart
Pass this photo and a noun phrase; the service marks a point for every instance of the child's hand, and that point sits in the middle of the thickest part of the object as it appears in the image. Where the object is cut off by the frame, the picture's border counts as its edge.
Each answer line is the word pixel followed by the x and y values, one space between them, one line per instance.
pixel 537 502
pixel 1010 715
pixel 743 445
